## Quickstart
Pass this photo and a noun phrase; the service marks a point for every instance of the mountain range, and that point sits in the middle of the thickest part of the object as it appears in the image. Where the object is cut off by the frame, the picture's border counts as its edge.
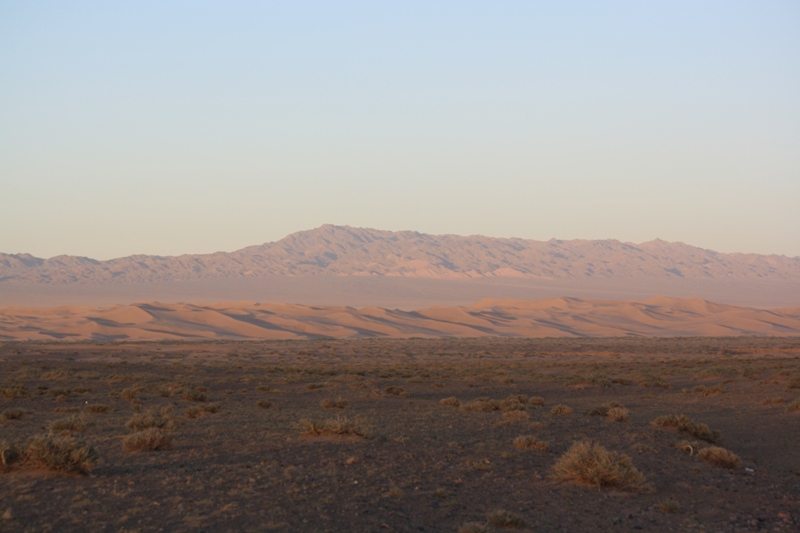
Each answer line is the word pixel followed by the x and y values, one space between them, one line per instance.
pixel 345 251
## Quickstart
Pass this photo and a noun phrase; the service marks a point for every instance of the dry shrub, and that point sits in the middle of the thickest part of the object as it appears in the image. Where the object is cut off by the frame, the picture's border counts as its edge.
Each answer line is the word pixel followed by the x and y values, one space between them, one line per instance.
pixel 13 413
pixel 60 454
pixel 473 527
pixel 338 403
pixel 195 396
pixel 396 391
pixel 793 383
pixel 129 394
pixel 718 456
pixel 452 401
pixel 336 426
pixel 618 414
pixel 264 404
pixel 199 411
pixel 481 404
pixel 685 425
pixel 150 439
pixel 561 409
pixel 9 454
pixel 706 391
pixel 264 388
pixel 14 391
pixel 529 442
pixel 82 390
pixel 773 401
pixel 516 415
pixel 603 409
pixel 503 518
pixel 70 424
pixel 152 418
pixel 588 463
pixel 536 400
pixel 97 408
pixel 670 505
pixel 793 407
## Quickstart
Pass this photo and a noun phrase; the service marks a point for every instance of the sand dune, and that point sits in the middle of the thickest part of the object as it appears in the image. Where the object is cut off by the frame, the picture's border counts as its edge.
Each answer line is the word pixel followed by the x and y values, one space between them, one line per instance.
pixel 555 317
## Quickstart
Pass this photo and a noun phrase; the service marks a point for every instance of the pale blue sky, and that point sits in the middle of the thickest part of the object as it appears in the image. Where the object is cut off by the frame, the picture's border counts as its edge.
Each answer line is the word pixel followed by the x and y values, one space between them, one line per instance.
pixel 189 127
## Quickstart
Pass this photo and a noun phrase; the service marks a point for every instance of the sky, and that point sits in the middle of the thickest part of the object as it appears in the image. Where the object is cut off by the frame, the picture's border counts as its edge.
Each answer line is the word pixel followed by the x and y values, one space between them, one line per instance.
pixel 170 127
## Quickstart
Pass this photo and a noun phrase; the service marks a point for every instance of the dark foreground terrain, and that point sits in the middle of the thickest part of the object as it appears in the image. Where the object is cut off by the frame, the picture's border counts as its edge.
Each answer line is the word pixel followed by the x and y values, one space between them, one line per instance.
pixel 355 435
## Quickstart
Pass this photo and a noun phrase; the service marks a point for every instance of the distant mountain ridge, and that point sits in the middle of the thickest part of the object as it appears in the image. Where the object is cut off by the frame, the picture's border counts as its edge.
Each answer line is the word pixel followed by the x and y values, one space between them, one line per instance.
pixel 347 251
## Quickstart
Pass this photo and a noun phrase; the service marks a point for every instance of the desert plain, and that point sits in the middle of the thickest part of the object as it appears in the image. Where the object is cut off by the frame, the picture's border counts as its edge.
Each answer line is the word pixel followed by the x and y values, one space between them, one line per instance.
pixel 439 434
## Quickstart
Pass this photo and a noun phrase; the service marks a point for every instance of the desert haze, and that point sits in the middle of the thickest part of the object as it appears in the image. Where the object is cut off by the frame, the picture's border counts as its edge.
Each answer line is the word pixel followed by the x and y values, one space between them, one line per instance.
pixel 344 266
pixel 558 317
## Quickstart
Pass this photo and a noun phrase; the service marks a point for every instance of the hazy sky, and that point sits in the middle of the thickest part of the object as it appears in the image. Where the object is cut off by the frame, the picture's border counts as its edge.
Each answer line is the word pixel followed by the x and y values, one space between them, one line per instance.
pixel 189 127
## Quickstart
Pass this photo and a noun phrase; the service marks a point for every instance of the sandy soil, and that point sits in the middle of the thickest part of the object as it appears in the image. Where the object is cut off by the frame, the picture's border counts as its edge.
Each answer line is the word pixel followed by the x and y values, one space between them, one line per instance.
pixel 556 317
pixel 248 463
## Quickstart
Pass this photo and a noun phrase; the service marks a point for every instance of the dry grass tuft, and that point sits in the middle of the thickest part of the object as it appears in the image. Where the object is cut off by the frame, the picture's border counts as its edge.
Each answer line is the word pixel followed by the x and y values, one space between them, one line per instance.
pixel 97 408
pixel 60 454
pixel 536 400
pixel 70 424
pixel 396 391
pixel 669 505
pixel 618 414
pixel 529 442
pixel 14 391
pixel 264 404
pixel 150 439
pixel 9 454
pixel 793 407
pixel 336 426
pixel 774 401
pixel 588 463
pixel 199 411
pixel 561 409
pixel 505 519
pixel 13 413
pixel 152 418
pixel 452 401
pixel 718 456
pixel 338 403
pixel 473 527
pixel 685 425
pixel 516 415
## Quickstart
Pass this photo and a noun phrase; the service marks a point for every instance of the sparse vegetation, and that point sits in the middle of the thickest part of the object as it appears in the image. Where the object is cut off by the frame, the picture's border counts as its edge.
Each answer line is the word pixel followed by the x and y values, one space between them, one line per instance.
pixel 199 411
pixel 452 401
pixel 13 413
pixel 588 463
pixel 150 439
pixel 342 426
pixel 60 454
pixel 505 519
pixel 337 403
pixel 529 442
pixel 561 409
pixel 718 456
pixel 151 418
pixel 687 426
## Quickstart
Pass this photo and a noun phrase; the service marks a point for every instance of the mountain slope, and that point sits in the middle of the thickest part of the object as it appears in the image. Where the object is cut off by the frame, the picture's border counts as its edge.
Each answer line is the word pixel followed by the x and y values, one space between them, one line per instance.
pixel 346 251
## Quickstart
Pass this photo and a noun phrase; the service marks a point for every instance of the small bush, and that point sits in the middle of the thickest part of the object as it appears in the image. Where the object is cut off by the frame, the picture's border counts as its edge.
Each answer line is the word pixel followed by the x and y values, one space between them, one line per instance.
pixel 14 391
pixel 603 409
pixel 536 400
pixel 588 463
pixel 561 409
pixel 336 426
pixel 151 419
pixel 264 404
pixel 13 413
pixel 396 391
pixel 338 403
pixel 195 396
pixel 793 407
pixel 97 408
pixel 516 415
pixel 473 527
pixel 669 505
pixel 481 404
pixel 9 454
pixel 200 411
pixel 503 518
pixel 70 424
pixel 685 425
pixel 81 390
pixel 151 439
pixel 60 454
pixel 793 383
pixel 618 414
pixel 773 401
pixel 452 401
pixel 718 456
pixel 529 442
pixel 129 394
